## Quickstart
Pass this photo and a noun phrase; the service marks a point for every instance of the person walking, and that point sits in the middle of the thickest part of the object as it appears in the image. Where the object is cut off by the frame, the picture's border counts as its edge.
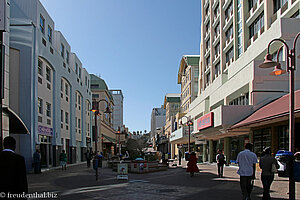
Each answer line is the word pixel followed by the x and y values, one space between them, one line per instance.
pixel 88 157
pixel 247 165
pixel 267 164
pixel 63 160
pixel 179 157
pixel 192 164
pixel 37 162
pixel 220 163
pixel 13 177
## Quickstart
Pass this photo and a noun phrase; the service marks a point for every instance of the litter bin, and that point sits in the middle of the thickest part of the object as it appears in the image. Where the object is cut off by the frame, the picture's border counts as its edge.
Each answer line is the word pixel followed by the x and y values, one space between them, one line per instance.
pixel 95 164
pixel 297 170
pixel 100 160
pixel 285 159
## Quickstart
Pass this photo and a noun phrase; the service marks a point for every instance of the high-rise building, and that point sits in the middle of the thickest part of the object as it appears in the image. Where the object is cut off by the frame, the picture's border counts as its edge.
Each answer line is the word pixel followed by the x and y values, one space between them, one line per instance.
pixel 118 109
pixel 234 40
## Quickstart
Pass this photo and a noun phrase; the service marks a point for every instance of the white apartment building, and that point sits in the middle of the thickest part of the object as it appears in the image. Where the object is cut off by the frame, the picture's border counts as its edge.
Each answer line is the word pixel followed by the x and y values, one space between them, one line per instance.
pixel 53 87
pixel 234 39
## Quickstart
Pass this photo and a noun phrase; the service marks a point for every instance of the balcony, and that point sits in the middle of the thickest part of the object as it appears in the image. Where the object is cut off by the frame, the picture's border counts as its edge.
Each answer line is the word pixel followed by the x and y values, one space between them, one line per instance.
pixel 228 63
pixel 206 3
pixel 216 20
pixel 215 3
pixel 207 68
pixel 216 39
pixel 226 4
pixel 207 52
pixel 228 21
pixel 255 36
pixel 255 11
pixel 207 34
pixel 207 17
pixel 228 43
pixel 217 57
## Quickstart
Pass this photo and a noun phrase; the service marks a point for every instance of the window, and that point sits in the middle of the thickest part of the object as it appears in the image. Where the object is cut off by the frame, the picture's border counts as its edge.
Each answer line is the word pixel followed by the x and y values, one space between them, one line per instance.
pixel 61 115
pixel 48 109
pixel 76 68
pixel 208 78
pixel 68 56
pixel 207 10
pixel 278 4
pixel 208 60
pixel 67 89
pixel 217 49
pixel 217 29
pixel 78 123
pixel 48 74
pixel 79 99
pixel 252 3
pixel 61 85
pixel 40 106
pixel 217 69
pixel 49 34
pixel 296 15
pixel 229 55
pixel 79 72
pixel 216 10
pixel 256 25
pixel 62 50
pixel 228 11
pixel 94 86
pixel 229 32
pixel 67 117
pixel 42 24
pixel 207 27
pixel 40 67
pixel 208 44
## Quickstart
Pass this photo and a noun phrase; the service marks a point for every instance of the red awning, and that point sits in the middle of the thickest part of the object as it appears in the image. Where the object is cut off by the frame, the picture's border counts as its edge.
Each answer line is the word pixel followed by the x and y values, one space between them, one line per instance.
pixel 276 109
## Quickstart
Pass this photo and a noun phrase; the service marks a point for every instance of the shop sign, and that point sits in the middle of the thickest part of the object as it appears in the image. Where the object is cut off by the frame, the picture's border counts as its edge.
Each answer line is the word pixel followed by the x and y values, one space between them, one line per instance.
pixel 205 121
pixel 122 169
pixel 45 130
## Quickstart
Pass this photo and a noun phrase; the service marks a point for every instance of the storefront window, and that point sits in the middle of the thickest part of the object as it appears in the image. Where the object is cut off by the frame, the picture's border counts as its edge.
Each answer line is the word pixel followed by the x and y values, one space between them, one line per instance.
pixel 283 138
pixel 261 138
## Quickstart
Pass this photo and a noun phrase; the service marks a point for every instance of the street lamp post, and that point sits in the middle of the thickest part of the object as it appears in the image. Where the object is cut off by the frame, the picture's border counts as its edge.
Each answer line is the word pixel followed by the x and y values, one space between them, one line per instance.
pixel 95 109
pixel 189 123
pixel 291 67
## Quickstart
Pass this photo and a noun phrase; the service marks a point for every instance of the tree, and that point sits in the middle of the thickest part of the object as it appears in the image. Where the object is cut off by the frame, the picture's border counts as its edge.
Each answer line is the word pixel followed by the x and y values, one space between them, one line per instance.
pixel 135 147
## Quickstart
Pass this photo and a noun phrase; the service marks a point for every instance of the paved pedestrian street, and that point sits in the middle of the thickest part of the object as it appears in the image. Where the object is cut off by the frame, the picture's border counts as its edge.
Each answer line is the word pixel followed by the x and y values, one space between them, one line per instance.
pixel 78 182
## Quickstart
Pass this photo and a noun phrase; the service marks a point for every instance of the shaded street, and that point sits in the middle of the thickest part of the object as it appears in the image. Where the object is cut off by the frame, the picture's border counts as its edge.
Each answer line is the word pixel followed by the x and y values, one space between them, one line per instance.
pixel 78 182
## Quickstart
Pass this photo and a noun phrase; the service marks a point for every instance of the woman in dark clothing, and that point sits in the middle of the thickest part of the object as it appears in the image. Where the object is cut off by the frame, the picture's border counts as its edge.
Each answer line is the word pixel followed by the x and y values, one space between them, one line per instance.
pixel 267 175
pixel 192 164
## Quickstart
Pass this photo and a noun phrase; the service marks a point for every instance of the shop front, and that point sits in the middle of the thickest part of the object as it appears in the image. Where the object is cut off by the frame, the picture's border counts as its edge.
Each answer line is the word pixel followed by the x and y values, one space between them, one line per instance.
pixel 179 141
pixel 45 135
pixel 269 127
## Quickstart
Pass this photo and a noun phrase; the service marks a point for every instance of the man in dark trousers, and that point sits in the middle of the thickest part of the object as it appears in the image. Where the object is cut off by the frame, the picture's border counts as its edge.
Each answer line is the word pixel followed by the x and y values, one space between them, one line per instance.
pixel 247 165
pixel 13 177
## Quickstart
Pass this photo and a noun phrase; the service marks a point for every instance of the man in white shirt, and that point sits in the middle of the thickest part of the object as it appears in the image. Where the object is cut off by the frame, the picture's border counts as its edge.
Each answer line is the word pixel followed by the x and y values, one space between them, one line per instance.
pixel 247 163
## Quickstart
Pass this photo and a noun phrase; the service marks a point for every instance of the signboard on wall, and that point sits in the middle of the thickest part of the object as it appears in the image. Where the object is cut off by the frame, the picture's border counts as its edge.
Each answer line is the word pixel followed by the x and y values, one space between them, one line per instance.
pixel 3 25
pixel 205 121
pixel 43 130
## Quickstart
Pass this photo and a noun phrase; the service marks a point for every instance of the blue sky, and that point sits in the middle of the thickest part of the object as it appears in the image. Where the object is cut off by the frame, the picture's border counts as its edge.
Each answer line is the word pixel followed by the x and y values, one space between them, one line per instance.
pixel 134 45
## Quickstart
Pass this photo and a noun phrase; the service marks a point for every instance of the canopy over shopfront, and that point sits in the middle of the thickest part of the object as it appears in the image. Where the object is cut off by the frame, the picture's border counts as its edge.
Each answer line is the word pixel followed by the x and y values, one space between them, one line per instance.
pixel 16 124
pixel 276 111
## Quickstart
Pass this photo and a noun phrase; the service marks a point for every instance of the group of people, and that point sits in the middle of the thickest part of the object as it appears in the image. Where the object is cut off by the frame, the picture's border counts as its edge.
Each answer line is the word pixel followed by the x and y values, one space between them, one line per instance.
pixel 247 161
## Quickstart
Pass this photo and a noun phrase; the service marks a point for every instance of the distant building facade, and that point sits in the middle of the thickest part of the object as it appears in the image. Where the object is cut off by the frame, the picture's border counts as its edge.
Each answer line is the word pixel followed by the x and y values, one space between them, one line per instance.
pixel 118 109
pixel 158 119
